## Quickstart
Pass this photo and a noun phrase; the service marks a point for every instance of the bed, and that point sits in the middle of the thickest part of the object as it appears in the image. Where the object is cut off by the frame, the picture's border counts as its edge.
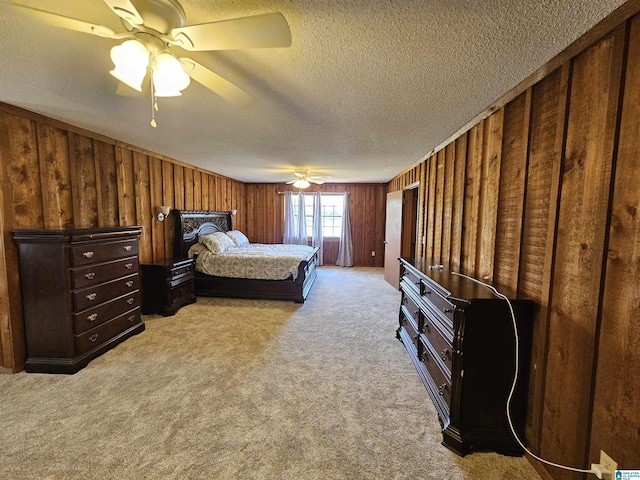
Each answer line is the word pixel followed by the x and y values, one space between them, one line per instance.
pixel 191 225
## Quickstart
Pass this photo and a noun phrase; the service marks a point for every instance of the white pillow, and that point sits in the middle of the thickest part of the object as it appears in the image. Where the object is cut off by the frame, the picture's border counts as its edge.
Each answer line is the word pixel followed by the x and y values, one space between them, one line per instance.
pixel 239 238
pixel 217 242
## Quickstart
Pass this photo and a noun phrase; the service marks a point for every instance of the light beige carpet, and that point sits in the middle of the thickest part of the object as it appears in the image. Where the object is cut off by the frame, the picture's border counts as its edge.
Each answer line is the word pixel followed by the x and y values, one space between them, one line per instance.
pixel 244 389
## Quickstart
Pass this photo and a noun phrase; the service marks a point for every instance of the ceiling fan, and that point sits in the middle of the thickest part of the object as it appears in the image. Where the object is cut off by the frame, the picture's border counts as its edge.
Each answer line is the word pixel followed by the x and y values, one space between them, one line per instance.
pixel 152 26
pixel 304 180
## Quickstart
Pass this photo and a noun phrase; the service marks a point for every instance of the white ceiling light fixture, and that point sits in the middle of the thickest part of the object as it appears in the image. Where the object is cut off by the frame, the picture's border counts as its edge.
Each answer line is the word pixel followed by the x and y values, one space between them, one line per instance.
pixel 169 78
pixel 130 59
pixel 301 183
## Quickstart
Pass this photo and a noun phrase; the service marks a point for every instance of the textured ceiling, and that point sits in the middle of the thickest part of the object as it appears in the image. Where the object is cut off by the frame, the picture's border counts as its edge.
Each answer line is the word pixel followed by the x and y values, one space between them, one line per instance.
pixel 367 88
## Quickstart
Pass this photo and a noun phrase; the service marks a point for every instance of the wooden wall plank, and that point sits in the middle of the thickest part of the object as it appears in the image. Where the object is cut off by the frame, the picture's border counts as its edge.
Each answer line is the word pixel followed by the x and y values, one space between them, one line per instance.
pixel 616 403
pixel 422 208
pixel 178 187
pixel 431 206
pixel 197 190
pixel 155 190
pixel 489 190
pixel 447 196
pixel 582 225
pixel 106 183
pixel 439 207
pixel 168 198
pixel 473 184
pixel 204 186
pixel 458 200
pixel 126 187
pixel 549 107
pixel 188 189
pixel 83 181
pixel 515 147
pixel 144 210
pixel 53 155
pixel 19 156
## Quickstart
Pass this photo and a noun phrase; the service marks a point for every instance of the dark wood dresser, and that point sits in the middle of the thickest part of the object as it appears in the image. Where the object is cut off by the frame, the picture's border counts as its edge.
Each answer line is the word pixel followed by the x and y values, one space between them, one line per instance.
pixel 167 285
pixel 80 294
pixel 461 341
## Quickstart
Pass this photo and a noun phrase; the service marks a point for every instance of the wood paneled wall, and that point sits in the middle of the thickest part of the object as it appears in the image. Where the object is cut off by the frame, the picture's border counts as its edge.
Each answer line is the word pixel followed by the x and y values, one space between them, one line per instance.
pixel 542 196
pixel 367 203
pixel 54 175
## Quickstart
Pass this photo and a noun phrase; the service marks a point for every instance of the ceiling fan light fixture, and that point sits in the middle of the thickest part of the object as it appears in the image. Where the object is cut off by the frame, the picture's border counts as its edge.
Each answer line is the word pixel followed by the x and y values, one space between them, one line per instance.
pixel 301 183
pixel 131 59
pixel 169 78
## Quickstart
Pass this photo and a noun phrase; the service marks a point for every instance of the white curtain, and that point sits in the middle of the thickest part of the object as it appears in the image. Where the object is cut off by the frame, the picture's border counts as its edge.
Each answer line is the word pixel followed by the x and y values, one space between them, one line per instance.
pixel 345 251
pixel 290 235
pixel 302 222
pixel 316 238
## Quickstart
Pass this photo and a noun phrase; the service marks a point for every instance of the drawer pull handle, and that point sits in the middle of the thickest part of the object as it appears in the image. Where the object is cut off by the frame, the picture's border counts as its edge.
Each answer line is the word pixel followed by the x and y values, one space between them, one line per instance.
pixel 91 296
pixel 415 315
pixel 404 300
pixel 128 266
pixel 131 318
pixel 127 248
pixel 427 292
pixel 89 275
pixel 129 283
pixel 93 337
pixel 446 310
pixel 87 254
pixel 130 301
pixel 92 317
pixel 444 353
pixel 442 388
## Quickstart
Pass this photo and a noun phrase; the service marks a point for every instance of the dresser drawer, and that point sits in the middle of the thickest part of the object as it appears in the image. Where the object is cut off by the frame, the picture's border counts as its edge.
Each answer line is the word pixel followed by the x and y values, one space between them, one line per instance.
pixel 175 281
pixel 100 334
pixel 410 327
pixel 99 252
pixel 440 304
pixel 428 357
pixel 433 332
pixel 411 308
pixel 181 272
pixel 93 317
pixel 99 273
pixel 181 291
pixel 93 296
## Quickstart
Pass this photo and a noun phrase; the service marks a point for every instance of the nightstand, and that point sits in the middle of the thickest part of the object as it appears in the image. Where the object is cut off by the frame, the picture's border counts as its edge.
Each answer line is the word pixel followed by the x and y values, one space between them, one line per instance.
pixel 167 285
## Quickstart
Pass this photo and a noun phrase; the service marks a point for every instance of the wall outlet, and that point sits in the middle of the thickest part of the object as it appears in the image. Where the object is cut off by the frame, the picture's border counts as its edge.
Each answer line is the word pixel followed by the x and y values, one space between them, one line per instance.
pixel 607 462
pixel 373 253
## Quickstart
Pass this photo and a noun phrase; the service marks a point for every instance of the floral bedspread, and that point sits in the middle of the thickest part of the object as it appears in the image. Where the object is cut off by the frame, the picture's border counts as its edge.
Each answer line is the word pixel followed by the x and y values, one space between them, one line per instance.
pixel 256 260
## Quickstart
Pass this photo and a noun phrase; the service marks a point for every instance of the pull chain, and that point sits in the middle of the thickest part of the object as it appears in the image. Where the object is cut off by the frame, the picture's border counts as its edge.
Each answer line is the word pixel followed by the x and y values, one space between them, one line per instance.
pixel 154 106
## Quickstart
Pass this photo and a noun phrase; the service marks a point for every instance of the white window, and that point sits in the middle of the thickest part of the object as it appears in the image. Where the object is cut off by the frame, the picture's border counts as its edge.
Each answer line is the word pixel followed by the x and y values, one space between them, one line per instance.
pixel 332 206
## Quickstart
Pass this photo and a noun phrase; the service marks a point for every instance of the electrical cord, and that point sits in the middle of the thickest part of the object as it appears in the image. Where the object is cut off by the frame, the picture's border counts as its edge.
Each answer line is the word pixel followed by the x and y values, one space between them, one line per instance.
pixel 515 378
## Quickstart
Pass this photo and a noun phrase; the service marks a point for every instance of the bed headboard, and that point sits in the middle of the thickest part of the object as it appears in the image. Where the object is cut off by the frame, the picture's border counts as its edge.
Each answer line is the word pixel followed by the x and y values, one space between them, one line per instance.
pixel 191 223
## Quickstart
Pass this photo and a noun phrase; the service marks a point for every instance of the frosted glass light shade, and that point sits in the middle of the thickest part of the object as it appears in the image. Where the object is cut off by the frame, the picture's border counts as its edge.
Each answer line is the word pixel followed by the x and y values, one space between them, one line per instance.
pixel 169 78
pixel 131 59
pixel 302 183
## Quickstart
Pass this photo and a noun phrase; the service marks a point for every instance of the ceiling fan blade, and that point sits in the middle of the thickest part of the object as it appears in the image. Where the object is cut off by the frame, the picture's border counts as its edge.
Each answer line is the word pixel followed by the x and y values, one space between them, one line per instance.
pixel 291 181
pixel 316 181
pixel 217 84
pixel 260 31
pixel 67 22
pixel 125 10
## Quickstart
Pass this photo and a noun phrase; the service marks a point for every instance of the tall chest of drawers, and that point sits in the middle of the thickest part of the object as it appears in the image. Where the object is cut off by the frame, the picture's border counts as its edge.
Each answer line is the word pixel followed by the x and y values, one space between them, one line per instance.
pixel 461 340
pixel 80 294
